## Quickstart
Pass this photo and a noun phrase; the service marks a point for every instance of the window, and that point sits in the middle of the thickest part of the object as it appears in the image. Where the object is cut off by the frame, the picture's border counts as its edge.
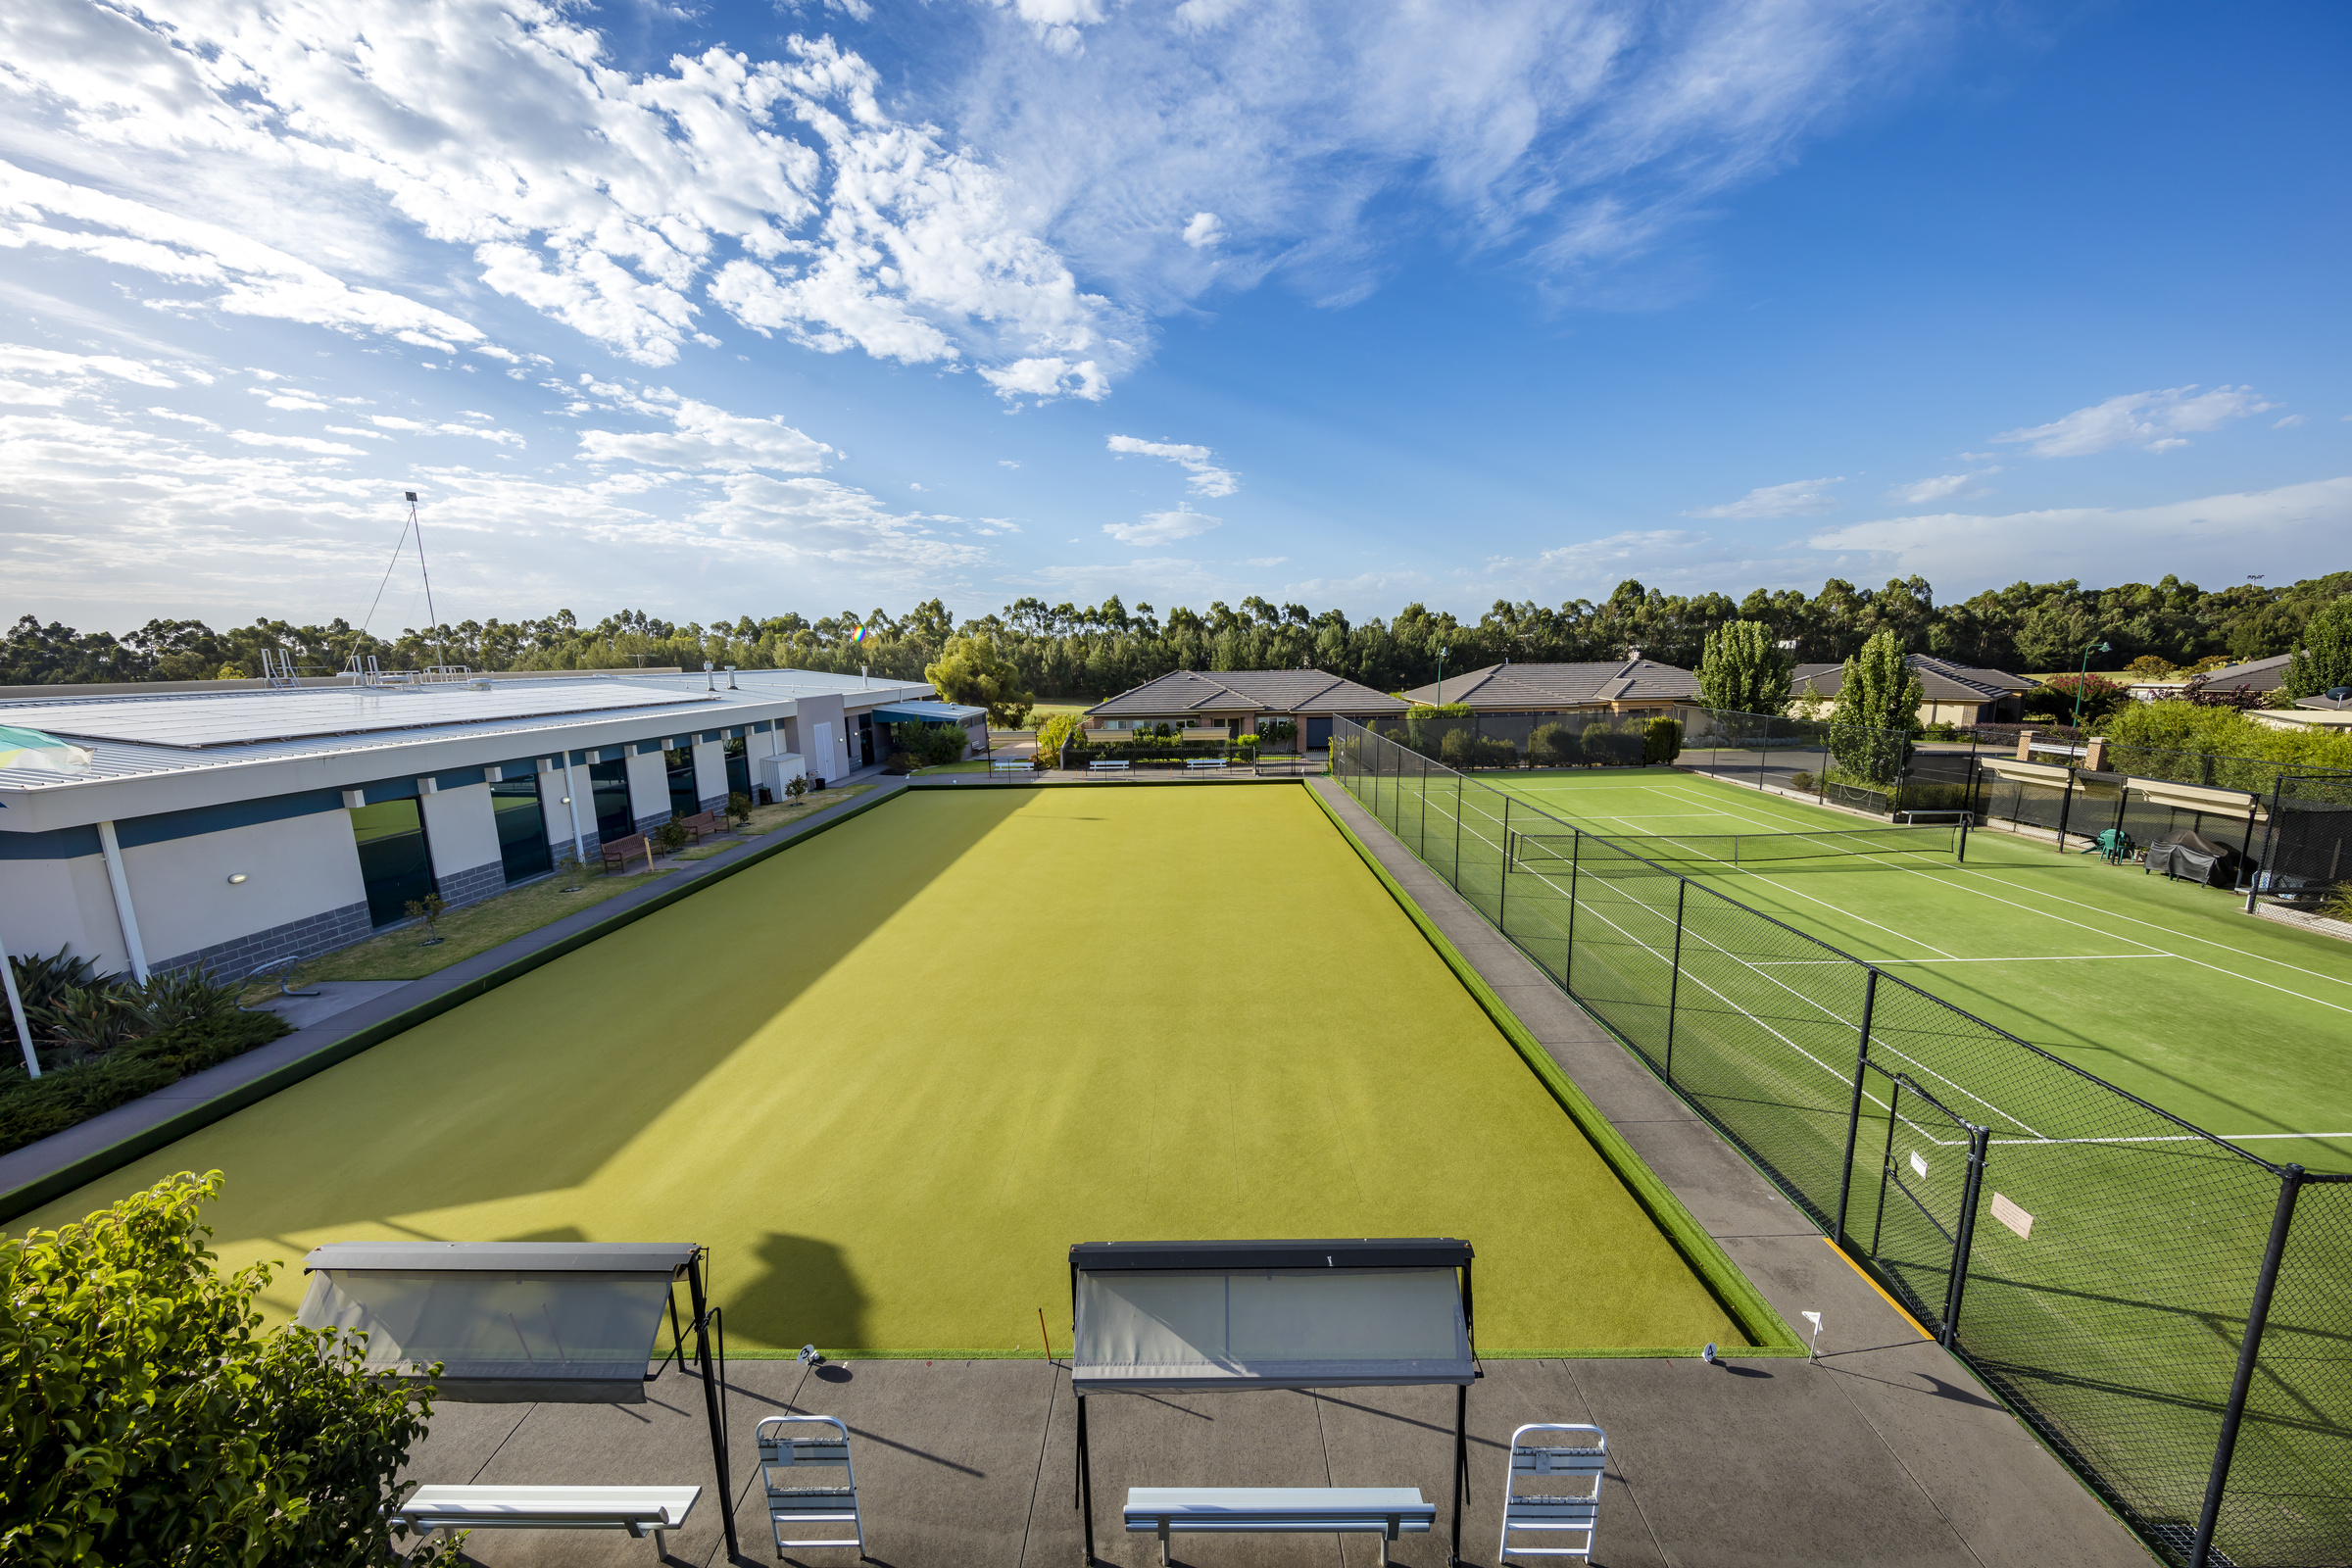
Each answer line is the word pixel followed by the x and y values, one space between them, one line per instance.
pixel 685 797
pixel 609 784
pixel 739 766
pixel 395 863
pixel 521 827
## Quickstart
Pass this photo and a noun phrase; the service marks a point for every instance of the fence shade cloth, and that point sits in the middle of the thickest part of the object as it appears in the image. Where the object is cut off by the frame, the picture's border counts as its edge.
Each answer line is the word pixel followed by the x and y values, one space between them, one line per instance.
pixel 1146 1329
pixel 507 1321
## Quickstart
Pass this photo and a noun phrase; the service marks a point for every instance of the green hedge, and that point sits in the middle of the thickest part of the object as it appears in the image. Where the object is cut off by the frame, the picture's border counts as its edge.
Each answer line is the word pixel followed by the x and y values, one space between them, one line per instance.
pixel 31 1108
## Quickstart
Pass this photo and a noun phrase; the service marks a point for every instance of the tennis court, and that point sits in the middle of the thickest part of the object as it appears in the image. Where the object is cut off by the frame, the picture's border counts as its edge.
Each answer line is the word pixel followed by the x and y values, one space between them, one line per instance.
pixel 2162 988
pixel 2098 1261
pixel 891 1075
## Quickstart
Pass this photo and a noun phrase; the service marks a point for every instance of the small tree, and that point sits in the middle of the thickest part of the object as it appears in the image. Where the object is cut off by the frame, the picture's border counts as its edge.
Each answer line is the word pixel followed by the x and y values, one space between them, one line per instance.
pixel 1662 739
pixel 147 1418
pixel 428 909
pixel 1054 734
pixel 2325 660
pixel 971 671
pixel 798 787
pixel 1875 712
pixel 739 807
pixel 1741 671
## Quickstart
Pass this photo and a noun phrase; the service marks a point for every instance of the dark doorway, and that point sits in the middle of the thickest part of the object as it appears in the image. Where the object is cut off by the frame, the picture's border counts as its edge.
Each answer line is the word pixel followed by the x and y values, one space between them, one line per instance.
pixel 1318 734
pixel 866 740
pixel 394 861
pixel 521 828
pixel 685 797
pixel 739 766
pixel 610 783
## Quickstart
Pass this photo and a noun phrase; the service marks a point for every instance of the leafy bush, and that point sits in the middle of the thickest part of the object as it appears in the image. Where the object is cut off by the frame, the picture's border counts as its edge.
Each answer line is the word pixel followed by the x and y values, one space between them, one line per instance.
pixel 1661 739
pixel 1275 732
pixel 739 805
pixel 1606 746
pixel 670 837
pixel 148 1419
pixel 31 1108
pixel 1493 754
pixel 1801 782
pixel 797 787
pixel 185 996
pixel 1063 729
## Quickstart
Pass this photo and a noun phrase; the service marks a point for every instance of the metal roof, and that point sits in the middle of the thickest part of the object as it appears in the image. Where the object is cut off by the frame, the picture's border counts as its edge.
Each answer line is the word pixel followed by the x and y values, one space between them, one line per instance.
pixel 1940 681
pixel 1538 688
pixel 197 720
pixel 927 712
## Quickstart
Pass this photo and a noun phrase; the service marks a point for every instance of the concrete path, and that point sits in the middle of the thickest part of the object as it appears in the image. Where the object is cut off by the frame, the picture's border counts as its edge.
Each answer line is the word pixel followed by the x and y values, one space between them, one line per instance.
pixel 324 1029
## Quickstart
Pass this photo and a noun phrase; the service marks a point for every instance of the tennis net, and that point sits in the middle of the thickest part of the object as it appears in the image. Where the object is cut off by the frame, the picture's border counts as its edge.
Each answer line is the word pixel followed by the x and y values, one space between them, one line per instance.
pixel 1864 847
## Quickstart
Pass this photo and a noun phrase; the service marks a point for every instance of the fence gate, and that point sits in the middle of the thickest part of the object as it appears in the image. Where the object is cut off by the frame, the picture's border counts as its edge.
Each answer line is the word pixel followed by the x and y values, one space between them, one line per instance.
pixel 1920 1219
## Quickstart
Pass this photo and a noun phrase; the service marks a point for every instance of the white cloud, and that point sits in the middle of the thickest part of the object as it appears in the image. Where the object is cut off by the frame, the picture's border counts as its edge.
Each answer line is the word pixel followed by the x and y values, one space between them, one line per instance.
pixel 1007 463
pixel 2289 421
pixel 299 443
pixel 1049 378
pixel 1942 487
pixel 353 429
pixel 2214 537
pixel 1268 561
pixel 2157 422
pixel 706 438
pixel 77 366
pixel 1800 498
pixel 1203 231
pixel 1163 527
pixel 391 422
pixel 292 401
pixel 1057 24
pixel 1201 473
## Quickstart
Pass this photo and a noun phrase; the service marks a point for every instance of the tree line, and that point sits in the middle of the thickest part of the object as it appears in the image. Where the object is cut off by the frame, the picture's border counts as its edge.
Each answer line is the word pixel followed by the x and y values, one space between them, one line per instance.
pixel 1069 649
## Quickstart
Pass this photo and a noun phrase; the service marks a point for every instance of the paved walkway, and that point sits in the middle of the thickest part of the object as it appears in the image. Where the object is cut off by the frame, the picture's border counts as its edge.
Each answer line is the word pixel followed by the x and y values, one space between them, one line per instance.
pixel 330 1025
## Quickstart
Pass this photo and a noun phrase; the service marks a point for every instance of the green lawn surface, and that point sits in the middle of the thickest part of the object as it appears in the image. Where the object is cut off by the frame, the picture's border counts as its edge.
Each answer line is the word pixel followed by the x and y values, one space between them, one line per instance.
pixel 802 1067
pixel 2162 988
pixel 403 954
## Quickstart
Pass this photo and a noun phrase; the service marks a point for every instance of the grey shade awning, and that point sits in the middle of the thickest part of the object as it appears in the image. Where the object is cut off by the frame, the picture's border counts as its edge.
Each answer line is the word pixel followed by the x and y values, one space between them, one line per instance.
pixel 1144 1329
pixel 552 1322
pixel 927 713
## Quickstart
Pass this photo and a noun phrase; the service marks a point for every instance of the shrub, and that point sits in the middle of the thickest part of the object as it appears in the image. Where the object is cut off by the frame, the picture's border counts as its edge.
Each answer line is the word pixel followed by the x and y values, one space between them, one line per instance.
pixel 148 1418
pixel 670 837
pixel 1495 754
pixel 1661 739
pixel 1455 748
pixel 1606 746
pixel 1801 782
pixel 188 997
pixel 31 1108
pixel 739 805
pixel 1063 729
pixel 1275 732
pixel 1554 746
pixel 798 787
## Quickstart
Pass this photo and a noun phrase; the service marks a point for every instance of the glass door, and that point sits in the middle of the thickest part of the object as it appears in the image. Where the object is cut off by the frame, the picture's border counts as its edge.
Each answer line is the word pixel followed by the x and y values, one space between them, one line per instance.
pixel 610 783
pixel 395 863
pixel 521 828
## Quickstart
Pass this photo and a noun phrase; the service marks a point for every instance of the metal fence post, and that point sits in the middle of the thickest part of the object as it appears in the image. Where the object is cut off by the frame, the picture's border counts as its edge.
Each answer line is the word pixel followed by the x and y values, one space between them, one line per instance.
pixel 1456 878
pixel 1980 1141
pixel 1853 1118
pixel 2270 831
pixel 1576 845
pixel 1421 776
pixel 2066 806
pixel 1674 984
pixel 1503 872
pixel 2258 1314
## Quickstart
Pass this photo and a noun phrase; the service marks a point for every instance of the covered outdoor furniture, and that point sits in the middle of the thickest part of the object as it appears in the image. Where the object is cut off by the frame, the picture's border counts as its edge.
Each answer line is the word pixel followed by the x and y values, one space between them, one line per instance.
pixel 804 1466
pixel 1159 1317
pixel 527 1322
pixel 2194 856
pixel 640 1510
pixel 1553 1490
pixel 1384 1511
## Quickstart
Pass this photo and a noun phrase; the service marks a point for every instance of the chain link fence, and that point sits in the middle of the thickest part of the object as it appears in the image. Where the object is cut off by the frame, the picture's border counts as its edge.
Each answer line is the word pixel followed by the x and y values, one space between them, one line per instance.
pixel 2170 1312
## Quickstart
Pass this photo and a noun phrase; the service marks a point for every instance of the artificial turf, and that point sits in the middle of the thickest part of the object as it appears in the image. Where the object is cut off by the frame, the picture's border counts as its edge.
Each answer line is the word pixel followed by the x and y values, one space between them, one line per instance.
pixel 838 1069
pixel 2163 988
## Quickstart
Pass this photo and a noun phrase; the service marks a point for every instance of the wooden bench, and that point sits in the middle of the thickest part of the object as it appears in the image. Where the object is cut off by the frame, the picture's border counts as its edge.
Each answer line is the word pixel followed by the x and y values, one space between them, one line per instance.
pixel 1106 768
pixel 1384 1511
pixel 636 1509
pixel 619 851
pixel 701 822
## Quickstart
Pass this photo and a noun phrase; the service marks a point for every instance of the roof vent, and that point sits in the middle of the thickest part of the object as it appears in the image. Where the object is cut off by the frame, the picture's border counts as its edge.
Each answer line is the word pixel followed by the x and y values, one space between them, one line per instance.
pixel 1633 654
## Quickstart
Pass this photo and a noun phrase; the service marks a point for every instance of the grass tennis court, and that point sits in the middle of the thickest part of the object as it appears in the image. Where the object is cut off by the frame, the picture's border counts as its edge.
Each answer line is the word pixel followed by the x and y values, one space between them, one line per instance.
pixel 2162 988
pixel 889 1074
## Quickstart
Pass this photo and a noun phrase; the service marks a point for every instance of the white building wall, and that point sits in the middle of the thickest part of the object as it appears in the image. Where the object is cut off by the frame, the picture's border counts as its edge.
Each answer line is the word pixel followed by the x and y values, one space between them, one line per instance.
pixel 302 890
pixel 648 789
pixel 48 904
pixel 461 828
pixel 710 771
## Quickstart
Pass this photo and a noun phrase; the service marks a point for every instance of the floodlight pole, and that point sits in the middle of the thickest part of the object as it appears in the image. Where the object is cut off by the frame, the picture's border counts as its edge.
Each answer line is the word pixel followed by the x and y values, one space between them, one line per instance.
pixel 718 1428
pixel 2084 676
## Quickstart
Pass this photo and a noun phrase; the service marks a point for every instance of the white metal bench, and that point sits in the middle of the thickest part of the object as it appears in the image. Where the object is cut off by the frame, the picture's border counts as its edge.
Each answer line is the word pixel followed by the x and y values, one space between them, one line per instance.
pixel 1012 765
pixel 1106 768
pixel 1205 762
pixel 1385 1511
pixel 1567 1498
pixel 800 1475
pixel 640 1510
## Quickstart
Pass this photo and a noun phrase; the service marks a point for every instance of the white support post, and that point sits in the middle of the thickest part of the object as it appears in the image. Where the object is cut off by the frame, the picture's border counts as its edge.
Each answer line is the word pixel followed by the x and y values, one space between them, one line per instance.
pixel 15 1012
pixel 123 910
pixel 571 801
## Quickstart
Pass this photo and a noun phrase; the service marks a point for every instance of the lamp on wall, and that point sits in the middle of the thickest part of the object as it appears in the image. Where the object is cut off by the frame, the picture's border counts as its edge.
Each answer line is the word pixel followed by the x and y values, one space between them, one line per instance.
pixel 236 879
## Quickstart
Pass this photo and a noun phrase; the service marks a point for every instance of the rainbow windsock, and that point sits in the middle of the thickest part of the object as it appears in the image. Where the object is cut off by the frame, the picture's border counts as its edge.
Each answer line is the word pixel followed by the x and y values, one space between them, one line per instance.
pixel 29 748
pixel 861 634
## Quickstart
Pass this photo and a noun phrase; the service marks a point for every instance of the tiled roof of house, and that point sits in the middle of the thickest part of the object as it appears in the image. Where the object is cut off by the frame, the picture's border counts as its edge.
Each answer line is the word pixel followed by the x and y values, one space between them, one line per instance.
pixel 2256 675
pixel 1939 679
pixel 1246 691
pixel 1537 688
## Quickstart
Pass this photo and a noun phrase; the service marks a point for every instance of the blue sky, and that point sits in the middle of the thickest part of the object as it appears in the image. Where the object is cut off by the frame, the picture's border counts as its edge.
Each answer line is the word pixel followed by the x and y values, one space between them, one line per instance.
pixel 746 308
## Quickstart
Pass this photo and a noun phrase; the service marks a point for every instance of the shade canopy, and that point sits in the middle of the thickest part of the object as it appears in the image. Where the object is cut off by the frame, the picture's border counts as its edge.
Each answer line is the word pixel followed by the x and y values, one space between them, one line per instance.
pixel 1173 1315
pixel 926 714
pixel 566 1322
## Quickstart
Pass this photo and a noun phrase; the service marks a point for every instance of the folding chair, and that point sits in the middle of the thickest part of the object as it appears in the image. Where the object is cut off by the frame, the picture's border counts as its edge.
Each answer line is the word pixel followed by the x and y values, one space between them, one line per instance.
pixel 1571 1502
pixel 793 1498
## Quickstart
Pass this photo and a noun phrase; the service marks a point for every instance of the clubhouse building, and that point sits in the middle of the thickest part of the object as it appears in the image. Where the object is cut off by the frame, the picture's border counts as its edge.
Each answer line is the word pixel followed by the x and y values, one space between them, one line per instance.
pixel 228 824
pixel 1235 702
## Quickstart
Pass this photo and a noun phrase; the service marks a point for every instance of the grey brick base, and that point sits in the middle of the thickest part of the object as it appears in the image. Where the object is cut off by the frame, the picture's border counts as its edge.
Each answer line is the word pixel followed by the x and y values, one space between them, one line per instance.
pixel 646 824
pixel 472 884
pixel 308 937
pixel 712 802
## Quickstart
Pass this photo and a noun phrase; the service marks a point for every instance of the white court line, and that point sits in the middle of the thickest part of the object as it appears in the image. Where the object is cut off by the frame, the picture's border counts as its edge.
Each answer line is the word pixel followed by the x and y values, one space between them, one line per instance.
pixel 1886 963
pixel 2235 951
